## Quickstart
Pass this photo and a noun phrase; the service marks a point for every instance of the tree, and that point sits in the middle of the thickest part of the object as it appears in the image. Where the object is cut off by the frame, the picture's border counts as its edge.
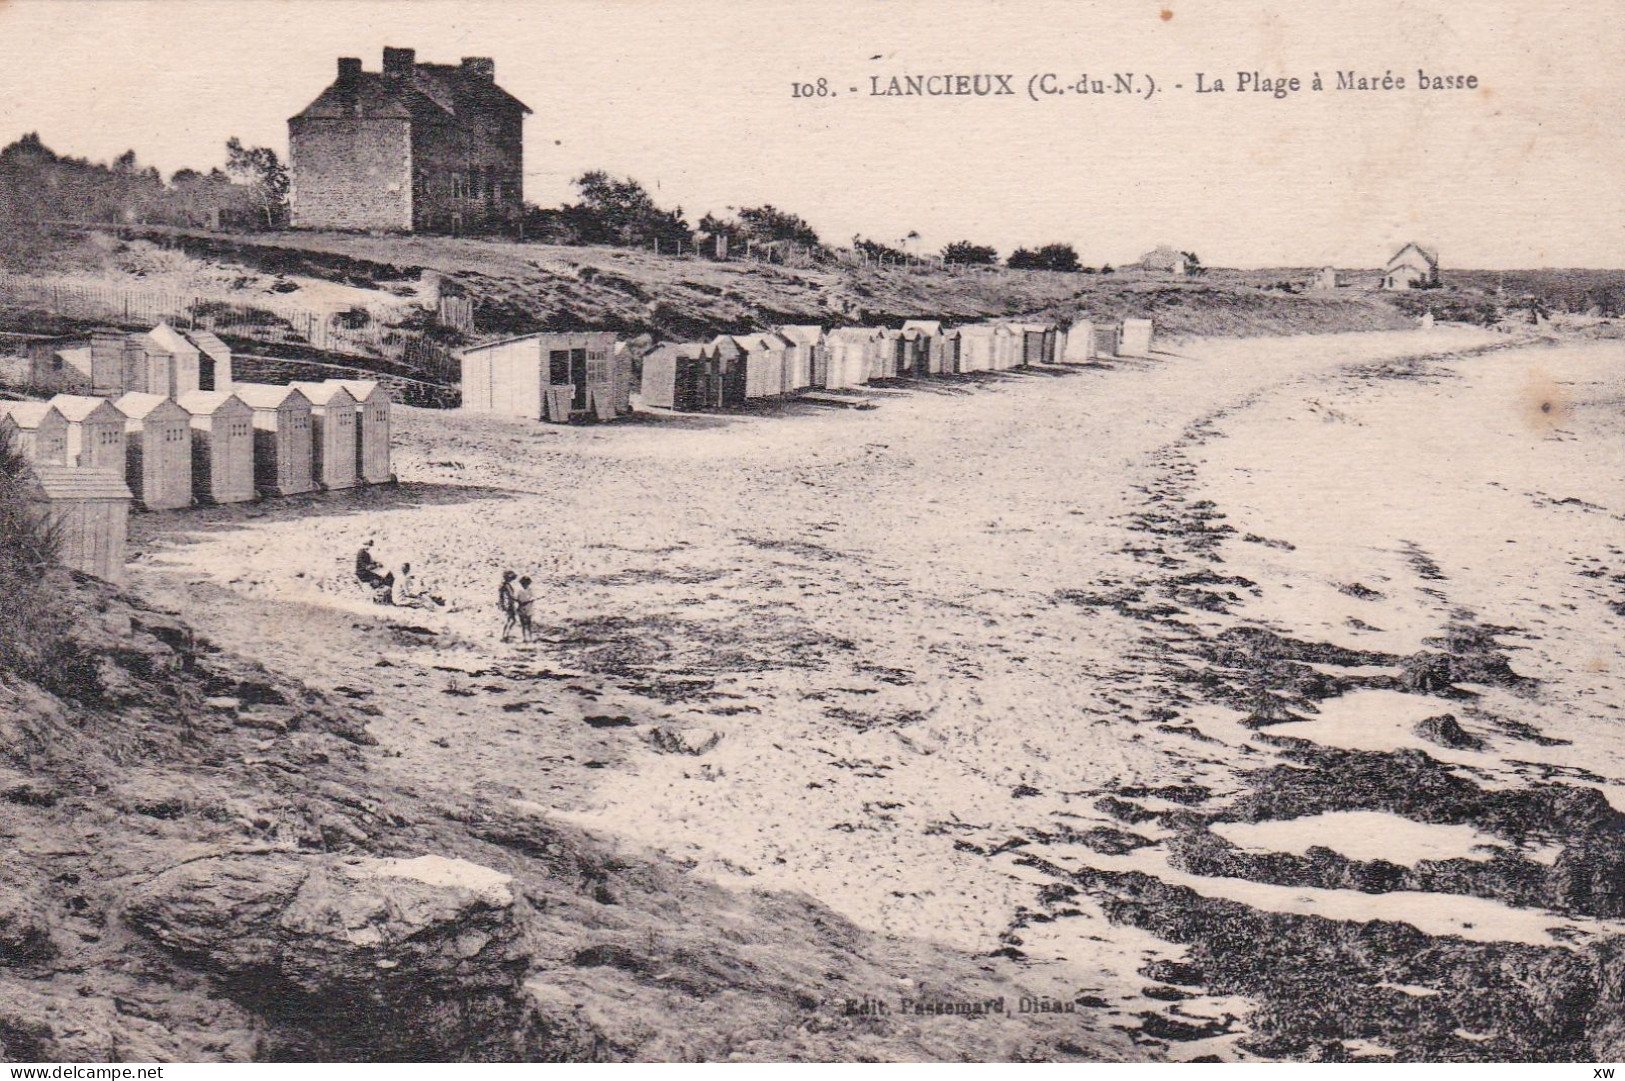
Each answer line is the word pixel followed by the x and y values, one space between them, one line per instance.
pixel 1193 264
pixel 1059 257
pixel 964 253
pixel 620 211
pixel 261 169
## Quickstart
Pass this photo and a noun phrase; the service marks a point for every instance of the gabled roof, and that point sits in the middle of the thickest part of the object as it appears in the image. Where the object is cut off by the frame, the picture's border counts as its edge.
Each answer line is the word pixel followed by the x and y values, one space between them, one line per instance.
pixel 266 395
pixel 324 394
pixel 978 330
pixel 685 350
pixel 77 357
pixel 762 341
pixel 77 408
pixel 802 333
pixel 30 415
pixel 166 338
pixel 853 333
pixel 924 326
pixel 206 342
pixel 360 389
pixel 138 406
pixel 75 482
pixel 1429 254
pixel 206 403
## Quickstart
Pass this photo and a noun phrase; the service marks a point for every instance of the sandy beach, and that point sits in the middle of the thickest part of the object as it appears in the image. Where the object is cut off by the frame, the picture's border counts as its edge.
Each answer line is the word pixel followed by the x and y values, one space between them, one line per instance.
pixel 1065 664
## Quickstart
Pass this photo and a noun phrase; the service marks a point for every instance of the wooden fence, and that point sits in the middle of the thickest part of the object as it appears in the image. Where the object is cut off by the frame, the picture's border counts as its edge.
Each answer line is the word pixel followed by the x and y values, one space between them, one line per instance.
pixel 353 333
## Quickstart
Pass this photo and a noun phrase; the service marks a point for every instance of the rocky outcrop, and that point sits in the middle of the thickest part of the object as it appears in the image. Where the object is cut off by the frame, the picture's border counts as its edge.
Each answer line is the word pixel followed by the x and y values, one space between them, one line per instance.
pixel 358 958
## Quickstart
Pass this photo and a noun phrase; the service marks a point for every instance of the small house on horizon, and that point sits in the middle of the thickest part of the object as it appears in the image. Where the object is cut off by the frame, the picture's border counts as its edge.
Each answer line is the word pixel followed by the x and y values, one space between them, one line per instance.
pixel 1165 259
pixel 1325 278
pixel 1412 267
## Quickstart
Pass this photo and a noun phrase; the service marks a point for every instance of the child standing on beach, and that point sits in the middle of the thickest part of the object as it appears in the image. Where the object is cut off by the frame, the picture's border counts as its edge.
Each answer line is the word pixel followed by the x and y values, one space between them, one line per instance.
pixel 505 601
pixel 523 601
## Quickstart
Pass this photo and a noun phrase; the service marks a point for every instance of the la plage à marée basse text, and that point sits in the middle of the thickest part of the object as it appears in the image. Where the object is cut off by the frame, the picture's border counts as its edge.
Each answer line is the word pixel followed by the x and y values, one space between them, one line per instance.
pixel 1050 84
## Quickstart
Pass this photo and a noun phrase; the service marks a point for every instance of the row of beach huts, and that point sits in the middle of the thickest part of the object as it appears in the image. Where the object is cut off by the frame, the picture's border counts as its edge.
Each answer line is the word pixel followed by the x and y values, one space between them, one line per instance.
pixel 562 377
pixel 155 437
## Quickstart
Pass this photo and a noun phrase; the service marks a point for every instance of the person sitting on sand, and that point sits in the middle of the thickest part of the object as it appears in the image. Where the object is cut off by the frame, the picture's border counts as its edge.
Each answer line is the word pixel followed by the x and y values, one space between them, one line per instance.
pixel 523 601
pixel 406 594
pixel 367 566
pixel 505 601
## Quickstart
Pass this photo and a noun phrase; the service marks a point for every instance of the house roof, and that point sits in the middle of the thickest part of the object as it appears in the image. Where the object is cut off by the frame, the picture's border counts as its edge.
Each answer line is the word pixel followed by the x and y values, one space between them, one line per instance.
pixel 207 342
pixel 138 406
pixel 266 395
pixel 1430 254
pixel 168 339
pixel 30 415
pixel 203 403
pixel 324 394
pixel 75 482
pixel 428 88
pixel 77 408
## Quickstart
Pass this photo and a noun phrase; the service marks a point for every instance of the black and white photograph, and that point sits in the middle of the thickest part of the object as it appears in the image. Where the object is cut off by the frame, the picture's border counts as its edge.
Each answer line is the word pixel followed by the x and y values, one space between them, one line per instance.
pixel 668 531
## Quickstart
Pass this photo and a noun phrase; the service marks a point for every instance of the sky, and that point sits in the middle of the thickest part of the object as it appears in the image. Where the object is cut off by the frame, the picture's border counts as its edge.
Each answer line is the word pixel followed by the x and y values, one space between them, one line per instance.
pixel 695 100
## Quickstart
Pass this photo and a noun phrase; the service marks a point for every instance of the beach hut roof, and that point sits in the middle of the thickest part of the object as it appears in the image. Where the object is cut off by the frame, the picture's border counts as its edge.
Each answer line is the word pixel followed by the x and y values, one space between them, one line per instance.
pixel 76 357
pixel 266 395
pixel 328 393
pixel 77 408
pixel 75 482
pixel 206 342
pixel 28 415
pixel 978 330
pixel 687 350
pixel 360 389
pixel 139 406
pixel 204 403
pixel 850 333
pixel 924 326
pixel 802 333
pixel 169 340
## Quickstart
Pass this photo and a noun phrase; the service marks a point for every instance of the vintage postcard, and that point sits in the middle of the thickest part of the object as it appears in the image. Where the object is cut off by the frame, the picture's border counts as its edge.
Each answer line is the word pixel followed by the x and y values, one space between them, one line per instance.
pixel 616 530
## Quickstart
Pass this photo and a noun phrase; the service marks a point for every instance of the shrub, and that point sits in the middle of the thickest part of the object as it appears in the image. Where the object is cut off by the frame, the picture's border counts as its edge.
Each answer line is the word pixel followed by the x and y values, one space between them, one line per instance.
pixel 33 623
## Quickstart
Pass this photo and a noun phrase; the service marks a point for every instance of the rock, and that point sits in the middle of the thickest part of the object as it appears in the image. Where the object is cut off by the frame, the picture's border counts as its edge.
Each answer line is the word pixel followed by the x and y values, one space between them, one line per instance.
pixel 669 739
pixel 1446 731
pixel 25 928
pixel 374 958
pixel 224 703
pixel 336 831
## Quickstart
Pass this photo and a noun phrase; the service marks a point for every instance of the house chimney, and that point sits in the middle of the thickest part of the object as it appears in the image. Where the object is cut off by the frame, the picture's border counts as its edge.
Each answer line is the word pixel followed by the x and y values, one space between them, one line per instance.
pixel 399 61
pixel 349 69
pixel 480 67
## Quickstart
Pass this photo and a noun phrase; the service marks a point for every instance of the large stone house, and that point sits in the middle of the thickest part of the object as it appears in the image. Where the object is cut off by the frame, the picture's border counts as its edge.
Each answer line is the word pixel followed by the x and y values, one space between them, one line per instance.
pixel 412 148
pixel 1412 267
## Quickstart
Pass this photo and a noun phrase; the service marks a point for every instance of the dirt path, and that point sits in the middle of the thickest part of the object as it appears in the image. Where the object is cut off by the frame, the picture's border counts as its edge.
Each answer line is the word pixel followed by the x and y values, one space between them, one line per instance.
pixel 959 666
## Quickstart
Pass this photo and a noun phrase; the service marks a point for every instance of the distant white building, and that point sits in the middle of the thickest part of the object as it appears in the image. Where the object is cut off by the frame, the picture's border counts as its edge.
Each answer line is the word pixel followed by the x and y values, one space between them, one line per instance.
pixel 1326 278
pixel 1165 259
pixel 1412 267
